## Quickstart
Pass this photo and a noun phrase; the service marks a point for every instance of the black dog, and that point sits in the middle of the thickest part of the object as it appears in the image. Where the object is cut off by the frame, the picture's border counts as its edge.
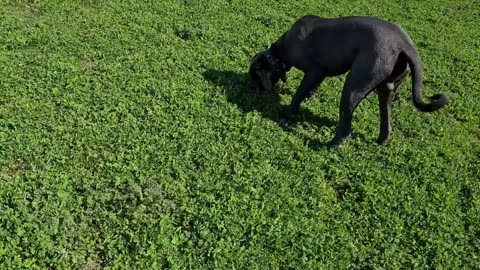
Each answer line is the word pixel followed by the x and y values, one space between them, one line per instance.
pixel 378 54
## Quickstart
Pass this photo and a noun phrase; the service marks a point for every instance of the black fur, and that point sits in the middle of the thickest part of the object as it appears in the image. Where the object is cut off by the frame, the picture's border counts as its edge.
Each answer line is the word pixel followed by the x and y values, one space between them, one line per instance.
pixel 266 60
pixel 377 54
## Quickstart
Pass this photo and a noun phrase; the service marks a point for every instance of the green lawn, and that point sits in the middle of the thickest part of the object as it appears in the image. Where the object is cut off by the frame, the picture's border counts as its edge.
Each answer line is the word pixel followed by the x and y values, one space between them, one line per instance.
pixel 128 140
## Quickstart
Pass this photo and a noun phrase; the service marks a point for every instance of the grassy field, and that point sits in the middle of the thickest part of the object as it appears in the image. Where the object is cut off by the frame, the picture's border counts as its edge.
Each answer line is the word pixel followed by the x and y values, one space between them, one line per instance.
pixel 128 141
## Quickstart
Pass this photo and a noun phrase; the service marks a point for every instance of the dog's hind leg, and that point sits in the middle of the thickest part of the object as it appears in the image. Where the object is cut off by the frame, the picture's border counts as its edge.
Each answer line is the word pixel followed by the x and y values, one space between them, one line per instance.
pixel 351 97
pixel 310 81
pixel 385 97
pixel 399 73
pixel 366 74
pixel 386 93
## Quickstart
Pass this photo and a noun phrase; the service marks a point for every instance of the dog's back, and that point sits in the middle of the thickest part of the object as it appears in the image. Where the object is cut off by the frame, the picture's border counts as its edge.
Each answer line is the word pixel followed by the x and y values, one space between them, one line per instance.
pixel 338 41
pixel 361 28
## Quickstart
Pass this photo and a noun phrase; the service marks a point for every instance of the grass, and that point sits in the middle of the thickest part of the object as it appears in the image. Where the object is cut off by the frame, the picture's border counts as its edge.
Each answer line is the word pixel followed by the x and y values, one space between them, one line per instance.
pixel 128 141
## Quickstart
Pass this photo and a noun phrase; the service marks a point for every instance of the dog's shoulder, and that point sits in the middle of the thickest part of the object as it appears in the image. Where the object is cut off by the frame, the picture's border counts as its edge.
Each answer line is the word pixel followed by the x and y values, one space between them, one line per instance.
pixel 308 19
pixel 305 24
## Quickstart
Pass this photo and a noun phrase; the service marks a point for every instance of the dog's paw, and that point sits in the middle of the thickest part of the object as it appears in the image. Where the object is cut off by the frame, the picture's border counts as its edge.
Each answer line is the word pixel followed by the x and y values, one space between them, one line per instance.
pixel 310 93
pixel 284 122
pixel 287 122
pixel 333 144
pixel 382 140
pixel 337 141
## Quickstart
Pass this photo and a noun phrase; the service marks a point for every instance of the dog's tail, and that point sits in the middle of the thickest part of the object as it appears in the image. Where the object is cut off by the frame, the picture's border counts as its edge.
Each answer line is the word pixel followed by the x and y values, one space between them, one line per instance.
pixel 438 100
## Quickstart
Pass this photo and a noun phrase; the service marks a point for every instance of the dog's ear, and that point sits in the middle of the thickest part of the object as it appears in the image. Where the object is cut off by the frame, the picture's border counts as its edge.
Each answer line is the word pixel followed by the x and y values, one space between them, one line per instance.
pixel 284 78
pixel 255 65
pixel 257 70
pixel 265 79
pixel 256 60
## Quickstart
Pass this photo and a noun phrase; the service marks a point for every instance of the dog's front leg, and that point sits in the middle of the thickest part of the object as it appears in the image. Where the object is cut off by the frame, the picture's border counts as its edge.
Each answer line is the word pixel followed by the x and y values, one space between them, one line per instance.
pixel 310 81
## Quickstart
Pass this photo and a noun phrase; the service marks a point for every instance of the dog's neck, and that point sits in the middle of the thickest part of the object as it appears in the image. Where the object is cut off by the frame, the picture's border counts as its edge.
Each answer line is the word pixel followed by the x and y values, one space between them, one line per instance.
pixel 275 51
pixel 273 54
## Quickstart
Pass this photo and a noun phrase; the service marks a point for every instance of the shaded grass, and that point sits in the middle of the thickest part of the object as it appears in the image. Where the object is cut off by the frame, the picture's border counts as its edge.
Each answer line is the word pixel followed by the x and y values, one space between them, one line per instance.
pixel 127 141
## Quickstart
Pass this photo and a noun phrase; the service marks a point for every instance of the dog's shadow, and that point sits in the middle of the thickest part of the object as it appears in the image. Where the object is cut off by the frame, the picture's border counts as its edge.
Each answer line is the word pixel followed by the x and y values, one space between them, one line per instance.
pixel 237 91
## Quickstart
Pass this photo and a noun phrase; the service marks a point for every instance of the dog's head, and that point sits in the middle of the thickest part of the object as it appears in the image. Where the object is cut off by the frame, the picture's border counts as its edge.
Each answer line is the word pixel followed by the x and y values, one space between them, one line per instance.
pixel 265 71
